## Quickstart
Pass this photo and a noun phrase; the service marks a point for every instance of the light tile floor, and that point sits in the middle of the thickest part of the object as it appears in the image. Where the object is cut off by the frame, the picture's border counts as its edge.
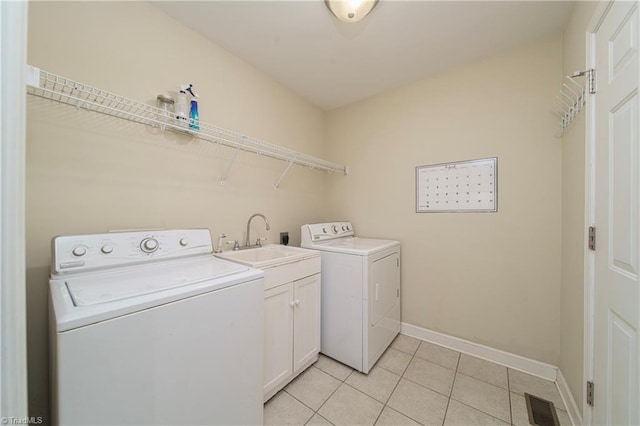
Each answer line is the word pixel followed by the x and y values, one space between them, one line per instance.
pixel 413 383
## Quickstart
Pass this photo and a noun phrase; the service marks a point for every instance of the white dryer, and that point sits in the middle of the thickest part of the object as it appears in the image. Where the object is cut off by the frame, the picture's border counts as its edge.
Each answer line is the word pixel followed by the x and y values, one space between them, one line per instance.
pixel 360 293
pixel 149 328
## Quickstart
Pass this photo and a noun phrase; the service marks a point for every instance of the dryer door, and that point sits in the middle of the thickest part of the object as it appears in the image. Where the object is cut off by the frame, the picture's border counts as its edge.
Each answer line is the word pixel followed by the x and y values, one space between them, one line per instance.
pixel 383 324
pixel 385 294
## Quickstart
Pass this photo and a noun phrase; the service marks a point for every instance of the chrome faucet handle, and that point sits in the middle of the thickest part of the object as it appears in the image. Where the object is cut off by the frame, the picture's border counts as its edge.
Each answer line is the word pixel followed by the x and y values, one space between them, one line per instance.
pixel 259 241
pixel 236 244
pixel 220 238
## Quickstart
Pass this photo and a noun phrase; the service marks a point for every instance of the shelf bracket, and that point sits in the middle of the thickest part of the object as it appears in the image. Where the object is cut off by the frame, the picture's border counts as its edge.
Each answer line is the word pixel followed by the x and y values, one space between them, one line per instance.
pixel 592 81
pixel 33 76
pixel 224 177
pixel 286 170
pixel 591 78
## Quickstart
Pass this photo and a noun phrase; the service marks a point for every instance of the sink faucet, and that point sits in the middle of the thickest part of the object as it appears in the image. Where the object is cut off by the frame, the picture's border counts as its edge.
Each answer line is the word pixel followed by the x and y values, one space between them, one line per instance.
pixel 258 242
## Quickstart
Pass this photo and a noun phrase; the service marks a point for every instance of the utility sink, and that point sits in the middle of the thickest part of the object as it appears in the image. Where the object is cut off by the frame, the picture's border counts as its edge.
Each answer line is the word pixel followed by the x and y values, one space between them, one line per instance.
pixel 268 256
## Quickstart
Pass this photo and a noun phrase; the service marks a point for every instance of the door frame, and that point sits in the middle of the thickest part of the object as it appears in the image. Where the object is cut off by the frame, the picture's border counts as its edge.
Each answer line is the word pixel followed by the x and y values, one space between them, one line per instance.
pixel 13 324
pixel 590 196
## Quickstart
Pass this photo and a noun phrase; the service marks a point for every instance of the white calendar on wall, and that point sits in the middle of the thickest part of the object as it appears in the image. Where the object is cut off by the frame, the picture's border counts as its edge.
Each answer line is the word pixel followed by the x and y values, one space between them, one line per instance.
pixel 464 186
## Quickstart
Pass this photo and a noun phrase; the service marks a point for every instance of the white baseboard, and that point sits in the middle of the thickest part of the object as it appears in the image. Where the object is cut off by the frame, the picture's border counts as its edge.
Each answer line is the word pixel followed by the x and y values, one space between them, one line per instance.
pixel 517 362
pixel 567 398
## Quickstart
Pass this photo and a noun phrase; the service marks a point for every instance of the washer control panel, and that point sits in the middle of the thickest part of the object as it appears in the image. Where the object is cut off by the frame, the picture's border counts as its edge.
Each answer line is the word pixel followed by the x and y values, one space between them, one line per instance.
pixel 316 232
pixel 95 251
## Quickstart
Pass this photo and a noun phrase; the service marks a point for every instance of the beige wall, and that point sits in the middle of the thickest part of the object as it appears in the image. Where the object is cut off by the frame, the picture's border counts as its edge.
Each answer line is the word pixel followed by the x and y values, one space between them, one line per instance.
pixel 573 216
pixel 492 278
pixel 87 173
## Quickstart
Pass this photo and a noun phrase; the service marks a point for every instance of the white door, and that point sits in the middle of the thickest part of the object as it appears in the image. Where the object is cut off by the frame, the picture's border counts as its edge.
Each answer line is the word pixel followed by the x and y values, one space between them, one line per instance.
pixel 617 217
pixel 278 335
pixel 306 321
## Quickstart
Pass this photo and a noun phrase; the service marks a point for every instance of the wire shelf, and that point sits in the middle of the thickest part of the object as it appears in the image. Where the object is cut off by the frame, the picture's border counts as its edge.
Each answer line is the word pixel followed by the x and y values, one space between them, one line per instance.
pixel 61 89
pixel 573 98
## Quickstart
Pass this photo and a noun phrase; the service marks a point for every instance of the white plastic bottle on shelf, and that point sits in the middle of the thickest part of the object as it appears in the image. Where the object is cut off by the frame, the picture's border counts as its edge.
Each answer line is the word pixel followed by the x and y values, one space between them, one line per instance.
pixel 181 109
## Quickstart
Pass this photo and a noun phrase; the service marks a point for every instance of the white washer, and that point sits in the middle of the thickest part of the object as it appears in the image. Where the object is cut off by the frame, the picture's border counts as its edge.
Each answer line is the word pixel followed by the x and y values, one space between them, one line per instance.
pixel 150 328
pixel 360 293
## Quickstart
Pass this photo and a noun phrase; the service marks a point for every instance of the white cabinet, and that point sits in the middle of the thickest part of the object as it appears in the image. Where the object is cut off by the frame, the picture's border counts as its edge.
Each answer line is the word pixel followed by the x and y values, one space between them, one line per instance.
pixel 291 325
pixel 278 335
pixel 306 322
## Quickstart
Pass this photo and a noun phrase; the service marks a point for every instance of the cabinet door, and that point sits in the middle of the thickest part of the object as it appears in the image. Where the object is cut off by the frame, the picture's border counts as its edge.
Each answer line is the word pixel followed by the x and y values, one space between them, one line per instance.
pixel 306 321
pixel 278 335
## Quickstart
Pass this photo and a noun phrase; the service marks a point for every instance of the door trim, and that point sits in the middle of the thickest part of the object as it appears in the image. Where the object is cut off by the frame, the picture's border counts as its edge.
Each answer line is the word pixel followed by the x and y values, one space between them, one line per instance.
pixel 13 329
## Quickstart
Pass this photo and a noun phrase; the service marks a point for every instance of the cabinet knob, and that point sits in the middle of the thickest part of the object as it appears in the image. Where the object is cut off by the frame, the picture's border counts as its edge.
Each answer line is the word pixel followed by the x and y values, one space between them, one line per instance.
pixel 297 302
pixel 292 303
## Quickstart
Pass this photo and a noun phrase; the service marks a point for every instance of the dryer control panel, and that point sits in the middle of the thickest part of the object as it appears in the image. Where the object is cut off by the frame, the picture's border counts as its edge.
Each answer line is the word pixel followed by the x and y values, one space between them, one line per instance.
pixel 317 232
pixel 79 253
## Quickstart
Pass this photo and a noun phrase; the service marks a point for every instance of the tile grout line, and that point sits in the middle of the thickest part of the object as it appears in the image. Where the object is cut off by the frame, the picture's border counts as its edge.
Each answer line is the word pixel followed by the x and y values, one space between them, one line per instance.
pixel 330 395
pixel 455 374
pixel 384 404
pixel 343 382
pixel 427 387
pixel 484 382
pixel 284 389
pixel 390 394
pixel 433 390
pixel 481 410
pixel 402 377
pixel 474 378
pixel 509 395
pixel 301 402
pixel 369 396
pixel 396 386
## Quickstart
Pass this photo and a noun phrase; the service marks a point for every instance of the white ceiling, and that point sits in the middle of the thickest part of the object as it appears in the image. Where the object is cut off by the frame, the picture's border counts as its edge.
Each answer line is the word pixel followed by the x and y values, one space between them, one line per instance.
pixel 332 63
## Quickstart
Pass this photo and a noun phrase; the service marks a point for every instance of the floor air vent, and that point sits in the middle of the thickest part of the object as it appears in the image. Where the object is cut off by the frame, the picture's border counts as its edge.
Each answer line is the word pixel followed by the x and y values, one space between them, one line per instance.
pixel 541 412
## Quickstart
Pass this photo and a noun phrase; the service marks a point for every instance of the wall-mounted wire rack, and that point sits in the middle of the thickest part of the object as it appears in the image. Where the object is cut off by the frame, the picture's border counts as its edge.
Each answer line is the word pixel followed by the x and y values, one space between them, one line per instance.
pixel 573 97
pixel 67 91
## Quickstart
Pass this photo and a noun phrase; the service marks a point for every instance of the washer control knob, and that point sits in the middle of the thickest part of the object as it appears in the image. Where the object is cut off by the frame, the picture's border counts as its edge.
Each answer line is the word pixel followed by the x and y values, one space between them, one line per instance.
pixel 324 230
pixel 348 228
pixel 334 228
pixel 184 242
pixel 149 245
pixel 106 249
pixel 79 251
pixel 344 228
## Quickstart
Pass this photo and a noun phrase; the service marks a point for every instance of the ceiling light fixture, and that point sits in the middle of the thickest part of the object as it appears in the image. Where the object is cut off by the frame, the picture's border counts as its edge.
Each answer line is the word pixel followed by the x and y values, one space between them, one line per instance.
pixel 350 10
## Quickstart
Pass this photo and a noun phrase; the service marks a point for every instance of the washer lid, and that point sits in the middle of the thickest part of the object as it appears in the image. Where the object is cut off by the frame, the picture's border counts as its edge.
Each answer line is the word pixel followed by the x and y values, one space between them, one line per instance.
pixel 355 245
pixel 110 287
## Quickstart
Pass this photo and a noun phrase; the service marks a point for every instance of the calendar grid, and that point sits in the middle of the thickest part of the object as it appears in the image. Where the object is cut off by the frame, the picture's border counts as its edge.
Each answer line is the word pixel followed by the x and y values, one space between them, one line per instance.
pixel 463 186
